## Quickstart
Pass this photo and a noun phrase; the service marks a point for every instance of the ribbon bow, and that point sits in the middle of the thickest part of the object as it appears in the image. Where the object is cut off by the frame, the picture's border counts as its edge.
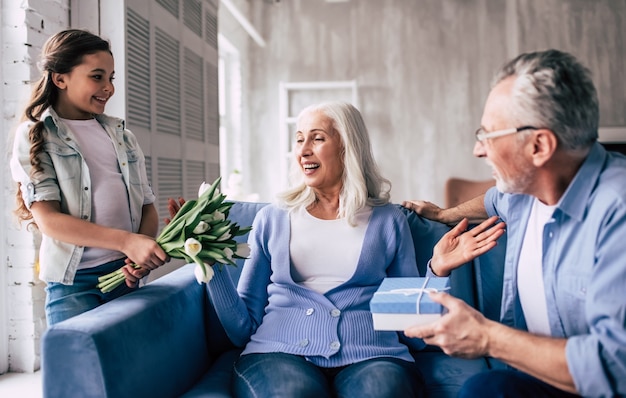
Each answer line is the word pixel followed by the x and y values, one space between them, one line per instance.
pixel 416 290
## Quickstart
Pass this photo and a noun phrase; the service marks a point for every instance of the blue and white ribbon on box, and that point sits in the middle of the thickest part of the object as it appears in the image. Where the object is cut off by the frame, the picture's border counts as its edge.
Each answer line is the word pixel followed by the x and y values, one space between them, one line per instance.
pixel 402 302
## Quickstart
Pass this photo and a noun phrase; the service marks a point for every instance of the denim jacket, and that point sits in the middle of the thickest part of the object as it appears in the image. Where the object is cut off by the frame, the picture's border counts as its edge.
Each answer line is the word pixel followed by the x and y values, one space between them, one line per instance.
pixel 65 178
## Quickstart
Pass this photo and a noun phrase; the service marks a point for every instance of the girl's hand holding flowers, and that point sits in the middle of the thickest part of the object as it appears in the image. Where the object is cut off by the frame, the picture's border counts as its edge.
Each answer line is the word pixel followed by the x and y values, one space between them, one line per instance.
pixel 145 251
pixel 133 275
pixel 199 232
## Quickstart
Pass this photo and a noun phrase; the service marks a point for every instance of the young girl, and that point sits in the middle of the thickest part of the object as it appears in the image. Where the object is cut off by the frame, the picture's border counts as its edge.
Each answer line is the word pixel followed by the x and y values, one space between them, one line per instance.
pixel 82 179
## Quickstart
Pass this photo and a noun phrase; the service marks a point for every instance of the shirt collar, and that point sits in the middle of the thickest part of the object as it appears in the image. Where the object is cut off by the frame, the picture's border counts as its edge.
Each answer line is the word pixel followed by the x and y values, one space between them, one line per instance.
pixel 50 116
pixel 574 200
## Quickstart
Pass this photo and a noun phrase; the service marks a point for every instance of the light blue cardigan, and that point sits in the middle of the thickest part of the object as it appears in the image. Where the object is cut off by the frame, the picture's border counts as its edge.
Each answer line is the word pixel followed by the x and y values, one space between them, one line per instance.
pixel 269 312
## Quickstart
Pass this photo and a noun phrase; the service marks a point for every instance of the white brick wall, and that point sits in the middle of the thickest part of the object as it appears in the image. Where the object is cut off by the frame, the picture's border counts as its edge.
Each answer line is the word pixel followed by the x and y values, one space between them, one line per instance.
pixel 25 26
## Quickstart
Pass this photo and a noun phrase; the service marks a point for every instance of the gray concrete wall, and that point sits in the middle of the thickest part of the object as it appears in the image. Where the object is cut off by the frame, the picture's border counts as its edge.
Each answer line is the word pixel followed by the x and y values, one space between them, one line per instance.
pixel 423 68
pixel 25 27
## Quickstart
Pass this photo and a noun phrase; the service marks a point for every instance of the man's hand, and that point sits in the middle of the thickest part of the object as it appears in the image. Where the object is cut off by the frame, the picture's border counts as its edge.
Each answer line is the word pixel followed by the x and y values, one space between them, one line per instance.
pixel 461 332
pixel 425 209
pixel 473 210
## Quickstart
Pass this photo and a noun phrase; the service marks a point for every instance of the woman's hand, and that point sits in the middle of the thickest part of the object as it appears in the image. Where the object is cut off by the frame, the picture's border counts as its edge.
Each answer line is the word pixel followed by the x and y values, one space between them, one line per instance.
pixel 172 207
pixel 459 246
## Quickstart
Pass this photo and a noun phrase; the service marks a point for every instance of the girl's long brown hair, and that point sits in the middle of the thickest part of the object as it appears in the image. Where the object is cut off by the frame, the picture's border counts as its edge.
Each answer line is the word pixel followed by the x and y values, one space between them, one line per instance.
pixel 60 54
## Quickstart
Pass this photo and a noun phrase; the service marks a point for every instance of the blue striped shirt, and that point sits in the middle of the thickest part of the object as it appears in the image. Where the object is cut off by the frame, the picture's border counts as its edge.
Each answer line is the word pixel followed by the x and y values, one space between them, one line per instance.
pixel 584 270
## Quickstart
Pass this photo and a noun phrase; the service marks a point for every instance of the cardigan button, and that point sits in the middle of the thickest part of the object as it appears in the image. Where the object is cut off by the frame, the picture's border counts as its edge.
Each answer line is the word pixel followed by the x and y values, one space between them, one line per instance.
pixel 335 313
pixel 335 345
pixel 304 342
pixel 310 311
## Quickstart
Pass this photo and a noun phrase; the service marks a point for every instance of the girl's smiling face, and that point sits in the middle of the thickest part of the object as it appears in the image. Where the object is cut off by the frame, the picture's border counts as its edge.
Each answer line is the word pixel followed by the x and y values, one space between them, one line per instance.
pixel 319 151
pixel 85 90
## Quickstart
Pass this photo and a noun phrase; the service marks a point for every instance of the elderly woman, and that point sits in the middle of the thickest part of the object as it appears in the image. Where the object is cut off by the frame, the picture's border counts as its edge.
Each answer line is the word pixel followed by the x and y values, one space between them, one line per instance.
pixel 301 309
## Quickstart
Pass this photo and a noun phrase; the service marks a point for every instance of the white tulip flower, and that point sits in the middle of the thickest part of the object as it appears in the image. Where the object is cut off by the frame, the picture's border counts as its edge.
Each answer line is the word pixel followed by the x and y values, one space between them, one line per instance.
pixel 192 247
pixel 228 253
pixel 203 273
pixel 225 236
pixel 203 187
pixel 201 228
pixel 218 216
pixel 243 250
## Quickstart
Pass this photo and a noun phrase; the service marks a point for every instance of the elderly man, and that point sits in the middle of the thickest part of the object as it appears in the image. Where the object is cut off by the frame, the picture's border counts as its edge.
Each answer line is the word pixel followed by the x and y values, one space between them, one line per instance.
pixel 563 198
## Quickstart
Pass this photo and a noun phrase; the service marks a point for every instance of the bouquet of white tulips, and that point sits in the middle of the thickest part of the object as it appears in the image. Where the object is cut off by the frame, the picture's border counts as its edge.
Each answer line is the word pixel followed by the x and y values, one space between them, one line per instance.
pixel 200 233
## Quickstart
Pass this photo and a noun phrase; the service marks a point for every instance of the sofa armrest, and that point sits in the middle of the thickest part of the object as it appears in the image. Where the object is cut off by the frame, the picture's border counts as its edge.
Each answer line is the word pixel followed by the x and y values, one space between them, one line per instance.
pixel 151 342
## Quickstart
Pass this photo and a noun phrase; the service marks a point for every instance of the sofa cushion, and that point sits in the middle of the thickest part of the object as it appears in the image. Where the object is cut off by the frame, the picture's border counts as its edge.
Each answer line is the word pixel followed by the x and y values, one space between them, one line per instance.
pixel 216 383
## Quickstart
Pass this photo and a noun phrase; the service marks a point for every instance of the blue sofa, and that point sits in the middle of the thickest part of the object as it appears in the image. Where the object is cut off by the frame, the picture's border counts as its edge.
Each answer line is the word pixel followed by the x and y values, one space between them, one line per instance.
pixel 165 340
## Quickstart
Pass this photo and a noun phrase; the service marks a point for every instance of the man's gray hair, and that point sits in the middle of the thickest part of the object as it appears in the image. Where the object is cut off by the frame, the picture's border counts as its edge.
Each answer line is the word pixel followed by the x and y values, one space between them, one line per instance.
pixel 554 90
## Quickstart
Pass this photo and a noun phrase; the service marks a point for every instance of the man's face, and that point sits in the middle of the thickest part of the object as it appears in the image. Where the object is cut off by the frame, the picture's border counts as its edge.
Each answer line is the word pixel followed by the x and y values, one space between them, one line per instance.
pixel 512 169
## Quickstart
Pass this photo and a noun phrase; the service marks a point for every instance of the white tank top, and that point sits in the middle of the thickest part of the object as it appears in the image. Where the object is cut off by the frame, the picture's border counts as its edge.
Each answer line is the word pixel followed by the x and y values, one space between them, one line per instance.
pixel 325 253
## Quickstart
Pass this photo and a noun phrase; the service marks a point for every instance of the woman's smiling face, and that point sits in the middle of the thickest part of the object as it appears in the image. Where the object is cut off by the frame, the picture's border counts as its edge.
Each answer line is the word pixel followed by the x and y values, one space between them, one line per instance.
pixel 319 151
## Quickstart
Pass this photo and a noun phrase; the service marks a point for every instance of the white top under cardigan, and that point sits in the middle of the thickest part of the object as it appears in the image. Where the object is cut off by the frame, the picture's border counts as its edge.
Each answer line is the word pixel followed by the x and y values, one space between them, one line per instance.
pixel 272 313
pixel 324 253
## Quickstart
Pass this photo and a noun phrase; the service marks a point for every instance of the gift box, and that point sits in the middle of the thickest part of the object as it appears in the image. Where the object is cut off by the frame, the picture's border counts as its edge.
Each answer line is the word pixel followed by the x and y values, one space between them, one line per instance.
pixel 402 302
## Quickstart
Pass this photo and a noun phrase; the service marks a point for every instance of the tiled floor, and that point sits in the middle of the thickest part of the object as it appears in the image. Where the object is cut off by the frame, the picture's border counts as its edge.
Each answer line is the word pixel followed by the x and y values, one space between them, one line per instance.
pixel 21 385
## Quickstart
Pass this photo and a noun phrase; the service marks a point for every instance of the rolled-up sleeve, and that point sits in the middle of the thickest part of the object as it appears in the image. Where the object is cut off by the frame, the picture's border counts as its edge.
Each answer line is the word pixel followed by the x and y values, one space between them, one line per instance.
pixel 496 203
pixel 43 185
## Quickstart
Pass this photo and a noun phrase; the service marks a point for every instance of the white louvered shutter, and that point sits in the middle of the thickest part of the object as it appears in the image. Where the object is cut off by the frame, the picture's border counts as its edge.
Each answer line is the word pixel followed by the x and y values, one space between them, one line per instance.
pixel 171 92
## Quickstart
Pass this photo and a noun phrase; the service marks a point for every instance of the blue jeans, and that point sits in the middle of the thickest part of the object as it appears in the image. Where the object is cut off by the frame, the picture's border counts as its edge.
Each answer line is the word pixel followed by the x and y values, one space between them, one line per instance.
pixel 66 301
pixel 285 375
pixel 509 383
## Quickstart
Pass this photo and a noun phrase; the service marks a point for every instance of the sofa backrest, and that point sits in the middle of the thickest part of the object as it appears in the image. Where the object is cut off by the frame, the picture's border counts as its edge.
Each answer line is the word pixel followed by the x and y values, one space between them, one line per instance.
pixel 479 283
pixel 242 213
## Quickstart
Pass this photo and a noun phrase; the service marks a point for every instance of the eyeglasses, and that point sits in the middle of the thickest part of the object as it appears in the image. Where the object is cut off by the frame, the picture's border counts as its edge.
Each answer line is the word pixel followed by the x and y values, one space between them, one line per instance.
pixel 482 135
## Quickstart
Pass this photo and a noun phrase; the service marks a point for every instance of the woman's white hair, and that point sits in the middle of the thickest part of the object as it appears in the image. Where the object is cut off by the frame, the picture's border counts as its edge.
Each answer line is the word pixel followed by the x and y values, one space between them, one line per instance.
pixel 362 182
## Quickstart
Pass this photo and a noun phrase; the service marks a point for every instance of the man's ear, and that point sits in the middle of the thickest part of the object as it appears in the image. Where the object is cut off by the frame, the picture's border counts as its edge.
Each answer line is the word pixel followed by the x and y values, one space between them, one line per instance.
pixel 544 145
pixel 59 80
